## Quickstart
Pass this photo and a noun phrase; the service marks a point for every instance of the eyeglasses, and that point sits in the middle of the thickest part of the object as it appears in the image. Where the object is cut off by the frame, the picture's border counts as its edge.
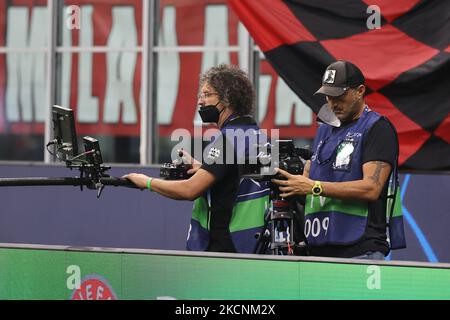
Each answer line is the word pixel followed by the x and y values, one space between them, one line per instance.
pixel 205 95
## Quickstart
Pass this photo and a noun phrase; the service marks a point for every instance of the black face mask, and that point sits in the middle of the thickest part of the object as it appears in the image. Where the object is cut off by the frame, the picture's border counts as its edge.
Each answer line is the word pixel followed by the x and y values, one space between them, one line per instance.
pixel 210 113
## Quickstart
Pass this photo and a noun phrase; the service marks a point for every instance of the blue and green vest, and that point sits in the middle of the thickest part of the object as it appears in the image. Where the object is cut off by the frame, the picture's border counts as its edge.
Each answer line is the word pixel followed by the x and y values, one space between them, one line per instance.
pixel 247 219
pixel 337 158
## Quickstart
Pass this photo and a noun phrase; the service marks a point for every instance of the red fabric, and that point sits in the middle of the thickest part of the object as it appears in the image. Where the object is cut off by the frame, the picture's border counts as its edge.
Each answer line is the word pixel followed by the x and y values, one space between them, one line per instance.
pixel 410 135
pixel 391 10
pixel 443 131
pixel 382 54
pixel 396 59
pixel 270 28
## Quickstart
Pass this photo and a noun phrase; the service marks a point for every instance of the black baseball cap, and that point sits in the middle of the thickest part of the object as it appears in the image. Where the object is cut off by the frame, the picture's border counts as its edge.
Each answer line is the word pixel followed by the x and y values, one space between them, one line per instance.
pixel 339 76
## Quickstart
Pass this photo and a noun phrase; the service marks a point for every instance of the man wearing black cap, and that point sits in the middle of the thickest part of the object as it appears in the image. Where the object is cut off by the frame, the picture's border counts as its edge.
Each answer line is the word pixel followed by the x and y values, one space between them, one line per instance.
pixel 346 181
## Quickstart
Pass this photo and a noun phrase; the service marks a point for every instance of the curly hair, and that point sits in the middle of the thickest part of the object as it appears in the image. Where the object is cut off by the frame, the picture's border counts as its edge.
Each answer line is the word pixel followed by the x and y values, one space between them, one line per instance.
pixel 233 86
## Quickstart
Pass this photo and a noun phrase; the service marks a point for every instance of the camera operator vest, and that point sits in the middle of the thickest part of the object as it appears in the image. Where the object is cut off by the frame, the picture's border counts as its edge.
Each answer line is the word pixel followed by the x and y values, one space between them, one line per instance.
pixel 338 158
pixel 250 204
pixel 247 218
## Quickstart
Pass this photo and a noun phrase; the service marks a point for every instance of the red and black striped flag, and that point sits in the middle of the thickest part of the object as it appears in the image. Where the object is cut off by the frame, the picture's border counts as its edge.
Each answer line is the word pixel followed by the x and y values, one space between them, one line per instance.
pixel 405 59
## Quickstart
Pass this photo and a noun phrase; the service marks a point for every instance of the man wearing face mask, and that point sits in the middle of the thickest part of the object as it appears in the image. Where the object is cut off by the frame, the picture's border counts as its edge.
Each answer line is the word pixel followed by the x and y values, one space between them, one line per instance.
pixel 228 210
pixel 346 181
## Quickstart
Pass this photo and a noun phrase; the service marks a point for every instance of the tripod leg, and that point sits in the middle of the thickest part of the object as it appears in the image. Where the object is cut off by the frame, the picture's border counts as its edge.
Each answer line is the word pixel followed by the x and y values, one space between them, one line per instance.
pixel 299 226
pixel 262 243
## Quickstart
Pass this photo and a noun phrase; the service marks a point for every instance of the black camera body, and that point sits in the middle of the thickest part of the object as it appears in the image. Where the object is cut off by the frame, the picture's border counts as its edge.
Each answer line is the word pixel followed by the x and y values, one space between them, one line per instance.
pixel 177 170
pixel 174 171
pixel 283 223
pixel 290 159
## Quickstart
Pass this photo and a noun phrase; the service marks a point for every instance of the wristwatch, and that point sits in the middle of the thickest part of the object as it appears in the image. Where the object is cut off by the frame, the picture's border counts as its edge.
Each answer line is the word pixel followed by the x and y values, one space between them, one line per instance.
pixel 317 188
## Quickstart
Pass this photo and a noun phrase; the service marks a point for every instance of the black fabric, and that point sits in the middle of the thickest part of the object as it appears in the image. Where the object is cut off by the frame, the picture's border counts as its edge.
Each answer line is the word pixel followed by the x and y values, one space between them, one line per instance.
pixel 406 62
pixel 435 146
pixel 417 80
pixel 347 19
pixel 224 191
pixel 379 145
pixel 311 67
pixel 424 24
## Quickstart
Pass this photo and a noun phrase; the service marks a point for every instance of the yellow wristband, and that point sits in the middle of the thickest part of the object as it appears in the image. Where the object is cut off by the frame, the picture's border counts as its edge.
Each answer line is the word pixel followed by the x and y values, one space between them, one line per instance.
pixel 149 184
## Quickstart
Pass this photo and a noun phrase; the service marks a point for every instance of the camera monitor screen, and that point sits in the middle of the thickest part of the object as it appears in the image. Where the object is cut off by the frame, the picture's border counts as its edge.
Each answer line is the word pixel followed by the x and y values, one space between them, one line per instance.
pixel 64 132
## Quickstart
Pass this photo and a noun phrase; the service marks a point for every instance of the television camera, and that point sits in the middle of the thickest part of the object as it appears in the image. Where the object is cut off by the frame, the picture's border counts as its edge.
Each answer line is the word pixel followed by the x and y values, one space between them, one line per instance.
pixel 282 232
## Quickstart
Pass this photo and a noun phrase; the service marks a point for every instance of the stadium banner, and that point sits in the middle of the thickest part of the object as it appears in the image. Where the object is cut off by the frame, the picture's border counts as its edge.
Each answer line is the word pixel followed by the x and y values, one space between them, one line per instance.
pixel 104 88
pixel 406 67
pixel 62 273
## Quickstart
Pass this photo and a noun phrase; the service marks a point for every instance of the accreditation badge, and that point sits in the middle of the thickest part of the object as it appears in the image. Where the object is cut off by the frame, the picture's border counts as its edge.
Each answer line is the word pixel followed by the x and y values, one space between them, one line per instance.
pixel 344 154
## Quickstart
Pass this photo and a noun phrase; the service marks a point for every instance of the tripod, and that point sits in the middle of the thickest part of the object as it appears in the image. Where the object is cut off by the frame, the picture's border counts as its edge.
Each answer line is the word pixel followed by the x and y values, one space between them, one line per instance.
pixel 279 233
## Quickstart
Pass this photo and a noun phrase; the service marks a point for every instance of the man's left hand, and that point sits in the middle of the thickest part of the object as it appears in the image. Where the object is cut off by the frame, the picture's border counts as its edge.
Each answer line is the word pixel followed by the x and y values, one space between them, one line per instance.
pixel 293 185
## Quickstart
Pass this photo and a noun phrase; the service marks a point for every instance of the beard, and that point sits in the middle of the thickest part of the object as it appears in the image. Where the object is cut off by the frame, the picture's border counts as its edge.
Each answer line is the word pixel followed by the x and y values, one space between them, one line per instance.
pixel 346 115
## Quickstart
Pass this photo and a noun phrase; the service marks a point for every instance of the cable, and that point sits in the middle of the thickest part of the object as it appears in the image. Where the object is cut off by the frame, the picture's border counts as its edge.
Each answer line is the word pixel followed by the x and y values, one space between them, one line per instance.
pixel 54 141
pixel 290 249
pixel 83 154
pixel 58 149
pixel 50 143
pixel 51 153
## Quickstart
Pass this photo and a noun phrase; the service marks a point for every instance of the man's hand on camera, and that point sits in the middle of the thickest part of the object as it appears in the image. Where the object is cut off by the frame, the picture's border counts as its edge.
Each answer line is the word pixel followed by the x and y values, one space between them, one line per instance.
pixel 187 158
pixel 139 179
pixel 293 185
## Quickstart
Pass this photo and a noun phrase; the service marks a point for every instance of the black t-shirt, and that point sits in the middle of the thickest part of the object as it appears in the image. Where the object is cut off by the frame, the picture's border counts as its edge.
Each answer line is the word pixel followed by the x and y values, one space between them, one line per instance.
pixel 224 191
pixel 379 145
